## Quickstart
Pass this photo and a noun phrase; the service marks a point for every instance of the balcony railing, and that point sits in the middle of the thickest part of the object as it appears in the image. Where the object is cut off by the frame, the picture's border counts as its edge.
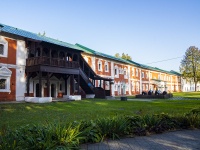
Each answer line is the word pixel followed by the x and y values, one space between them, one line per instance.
pixel 56 62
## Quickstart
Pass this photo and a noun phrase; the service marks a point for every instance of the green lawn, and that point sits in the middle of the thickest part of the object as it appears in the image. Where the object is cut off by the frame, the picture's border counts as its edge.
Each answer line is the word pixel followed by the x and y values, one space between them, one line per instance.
pixel 15 115
pixel 189 95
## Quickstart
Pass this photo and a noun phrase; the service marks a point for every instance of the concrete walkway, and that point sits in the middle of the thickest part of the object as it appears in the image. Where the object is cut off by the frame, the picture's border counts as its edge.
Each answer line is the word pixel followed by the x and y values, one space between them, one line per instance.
pixel 176 140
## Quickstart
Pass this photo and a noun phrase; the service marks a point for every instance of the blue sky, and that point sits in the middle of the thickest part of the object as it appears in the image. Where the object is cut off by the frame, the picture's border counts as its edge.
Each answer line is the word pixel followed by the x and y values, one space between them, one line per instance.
pixel 147 30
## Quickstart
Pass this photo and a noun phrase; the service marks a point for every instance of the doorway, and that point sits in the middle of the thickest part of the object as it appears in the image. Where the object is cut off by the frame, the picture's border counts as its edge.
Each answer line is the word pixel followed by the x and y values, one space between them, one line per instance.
pixel 52 90
pixel 37 90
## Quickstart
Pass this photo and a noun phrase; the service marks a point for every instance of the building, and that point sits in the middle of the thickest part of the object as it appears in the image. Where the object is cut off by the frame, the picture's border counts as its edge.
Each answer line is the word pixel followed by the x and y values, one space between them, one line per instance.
pixel 39 66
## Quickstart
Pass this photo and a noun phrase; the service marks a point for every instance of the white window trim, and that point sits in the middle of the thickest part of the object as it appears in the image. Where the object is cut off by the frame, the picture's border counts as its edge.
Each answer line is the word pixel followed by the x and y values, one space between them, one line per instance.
pixel 5 44
pixel 5 73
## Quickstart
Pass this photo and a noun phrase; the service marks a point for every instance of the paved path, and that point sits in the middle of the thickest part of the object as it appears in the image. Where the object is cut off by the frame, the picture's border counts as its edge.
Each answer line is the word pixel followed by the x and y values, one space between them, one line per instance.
pixel 176 140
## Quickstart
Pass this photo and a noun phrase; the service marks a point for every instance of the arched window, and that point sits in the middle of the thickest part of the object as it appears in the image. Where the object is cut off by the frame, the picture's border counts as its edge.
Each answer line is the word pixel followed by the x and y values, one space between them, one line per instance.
pixel 116 71
pixel 1 49
pixel 136 72
pixel 137 87
pixel 106 67
pixel 133 72
pixel 99 65
pixel 132 86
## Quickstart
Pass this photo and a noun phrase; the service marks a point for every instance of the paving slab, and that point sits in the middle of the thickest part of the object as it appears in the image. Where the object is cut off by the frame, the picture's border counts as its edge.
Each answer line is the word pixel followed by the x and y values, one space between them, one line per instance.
pixel 174 140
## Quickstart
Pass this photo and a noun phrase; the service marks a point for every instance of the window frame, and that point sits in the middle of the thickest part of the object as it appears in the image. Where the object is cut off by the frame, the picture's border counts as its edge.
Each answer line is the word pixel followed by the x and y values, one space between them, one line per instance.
pixel 99 65
pixel 5 73
pixel 5 47
pixel 106 67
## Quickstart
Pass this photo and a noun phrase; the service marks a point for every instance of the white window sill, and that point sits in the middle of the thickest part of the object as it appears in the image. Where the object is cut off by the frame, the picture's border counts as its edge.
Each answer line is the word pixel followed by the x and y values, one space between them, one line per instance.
pixel 4 90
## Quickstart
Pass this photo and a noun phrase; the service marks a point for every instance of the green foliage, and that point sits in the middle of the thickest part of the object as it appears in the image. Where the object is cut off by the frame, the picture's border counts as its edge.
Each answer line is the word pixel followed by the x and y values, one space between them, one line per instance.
pixel 50 136
pixel 71 135
pixel 190 65
pixel 124 56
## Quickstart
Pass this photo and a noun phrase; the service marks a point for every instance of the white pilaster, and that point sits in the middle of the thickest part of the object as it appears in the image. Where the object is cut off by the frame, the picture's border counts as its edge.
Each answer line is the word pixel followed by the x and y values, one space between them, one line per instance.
pixel 20 70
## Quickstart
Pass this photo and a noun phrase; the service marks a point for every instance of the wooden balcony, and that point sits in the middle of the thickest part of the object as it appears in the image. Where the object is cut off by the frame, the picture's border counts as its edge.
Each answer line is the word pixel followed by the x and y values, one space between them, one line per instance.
pixel 54 62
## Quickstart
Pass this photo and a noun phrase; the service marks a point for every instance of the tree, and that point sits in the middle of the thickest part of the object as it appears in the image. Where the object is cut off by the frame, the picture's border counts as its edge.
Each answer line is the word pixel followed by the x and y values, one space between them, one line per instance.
pixel 190 65
pixel 44 33
pixel 124 56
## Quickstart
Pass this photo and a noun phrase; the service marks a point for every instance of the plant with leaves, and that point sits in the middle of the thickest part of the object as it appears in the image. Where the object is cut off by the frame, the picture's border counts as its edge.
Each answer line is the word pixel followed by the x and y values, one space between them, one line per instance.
pixel 190 65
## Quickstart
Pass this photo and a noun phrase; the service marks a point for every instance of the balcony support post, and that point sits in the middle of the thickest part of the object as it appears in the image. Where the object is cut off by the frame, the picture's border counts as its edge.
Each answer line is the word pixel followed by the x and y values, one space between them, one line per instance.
pixel 40 84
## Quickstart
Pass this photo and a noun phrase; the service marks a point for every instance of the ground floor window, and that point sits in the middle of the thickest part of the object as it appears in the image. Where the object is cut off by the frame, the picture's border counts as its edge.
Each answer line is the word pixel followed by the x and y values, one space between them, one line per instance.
pixel 5 75
pixel 2 83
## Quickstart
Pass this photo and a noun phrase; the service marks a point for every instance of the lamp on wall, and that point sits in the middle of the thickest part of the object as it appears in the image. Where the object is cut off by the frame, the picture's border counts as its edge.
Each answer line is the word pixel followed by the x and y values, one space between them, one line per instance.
pixel 1 26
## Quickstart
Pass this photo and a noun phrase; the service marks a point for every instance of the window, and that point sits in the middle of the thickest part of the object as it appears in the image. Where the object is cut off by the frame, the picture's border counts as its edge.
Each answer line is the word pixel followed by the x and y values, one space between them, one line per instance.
pixel 99 65
pixel 3 47
pixel 5 75
pixel 132 86
pixel 125 72
pixel 106 66
pixel 116 85
pixel 136 72
pixel 137 87
pixel 147 75
pixel 142 74
pixel 147 87
pixel 133 72
pixel 127 87
pixel 2 83
pixel 116 71
pixel 143 87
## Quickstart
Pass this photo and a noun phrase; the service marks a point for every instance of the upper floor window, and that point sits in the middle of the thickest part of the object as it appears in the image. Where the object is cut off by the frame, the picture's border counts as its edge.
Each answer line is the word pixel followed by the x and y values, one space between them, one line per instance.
pixel 136 73
pixel 142 74
pixel 99 65
pixel 133 71
pixel 125 72
pixel 3 47
pixel 106 66
pixel 116 71
pixel 147 76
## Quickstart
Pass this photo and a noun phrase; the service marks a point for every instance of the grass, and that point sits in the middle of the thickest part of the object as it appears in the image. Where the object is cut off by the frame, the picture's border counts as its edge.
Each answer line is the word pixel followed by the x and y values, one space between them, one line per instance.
pixel 15 115
pixel 189 95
